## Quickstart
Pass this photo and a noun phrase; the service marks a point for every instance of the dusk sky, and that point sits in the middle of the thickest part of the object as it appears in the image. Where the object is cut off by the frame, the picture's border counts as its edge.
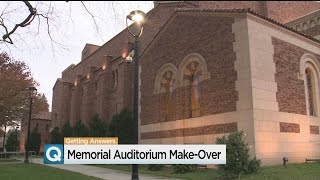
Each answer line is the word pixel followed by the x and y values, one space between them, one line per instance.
pixel 71 26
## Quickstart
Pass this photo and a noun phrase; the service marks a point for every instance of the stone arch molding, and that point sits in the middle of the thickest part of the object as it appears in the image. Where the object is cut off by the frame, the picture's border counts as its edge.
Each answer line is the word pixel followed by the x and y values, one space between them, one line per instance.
pixel 165 68
pixel 309 61
pixel 179 73
pixel 184 63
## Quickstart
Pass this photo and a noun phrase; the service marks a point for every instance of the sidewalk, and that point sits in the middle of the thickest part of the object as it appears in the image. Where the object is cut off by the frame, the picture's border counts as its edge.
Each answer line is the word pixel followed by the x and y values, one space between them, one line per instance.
pixel 102 173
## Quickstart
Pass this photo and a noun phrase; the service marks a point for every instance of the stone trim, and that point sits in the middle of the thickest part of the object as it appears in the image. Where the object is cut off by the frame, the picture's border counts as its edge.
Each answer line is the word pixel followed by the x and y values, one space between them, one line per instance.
pixel 164 68
pixel 188 59
pixel 202 130
pixel 314 129
pixel 289 127
pixel 178 73
pixel 310 61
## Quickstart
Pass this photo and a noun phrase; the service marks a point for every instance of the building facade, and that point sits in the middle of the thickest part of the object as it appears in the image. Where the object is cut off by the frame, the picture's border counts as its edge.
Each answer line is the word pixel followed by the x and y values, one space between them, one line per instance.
pixel 208 69
pixel 41 121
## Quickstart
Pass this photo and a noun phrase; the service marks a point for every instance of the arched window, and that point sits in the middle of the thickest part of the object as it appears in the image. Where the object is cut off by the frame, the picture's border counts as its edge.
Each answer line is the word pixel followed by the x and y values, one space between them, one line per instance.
pixel 310 83
pixel 192 75
pixel 309 71
pixel 167 86
pixel 115 78
pixel 191 72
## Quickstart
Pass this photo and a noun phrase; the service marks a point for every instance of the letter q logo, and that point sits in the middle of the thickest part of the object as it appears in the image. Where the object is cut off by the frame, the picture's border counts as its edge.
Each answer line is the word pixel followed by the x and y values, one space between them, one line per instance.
pixel 53 154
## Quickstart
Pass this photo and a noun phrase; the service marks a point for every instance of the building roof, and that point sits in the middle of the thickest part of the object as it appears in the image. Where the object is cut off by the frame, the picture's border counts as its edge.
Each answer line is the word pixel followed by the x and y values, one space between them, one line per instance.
pixel 42 115
pixel 304 18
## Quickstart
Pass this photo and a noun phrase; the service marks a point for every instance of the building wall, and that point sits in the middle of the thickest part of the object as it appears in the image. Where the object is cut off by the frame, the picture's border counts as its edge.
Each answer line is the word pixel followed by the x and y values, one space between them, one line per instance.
pixel 287 58
pixel 61 103
pixel 313 31
pixel 225 101
pixel 217 93
pixel 107 100
pixel 43 125
pixel 266 61
pixel 253 75
pixel 284 131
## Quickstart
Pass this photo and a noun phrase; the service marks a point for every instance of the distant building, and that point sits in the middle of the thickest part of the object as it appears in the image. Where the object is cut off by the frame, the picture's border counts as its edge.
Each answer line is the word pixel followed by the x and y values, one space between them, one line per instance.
pixel 209 68
pixel 42 121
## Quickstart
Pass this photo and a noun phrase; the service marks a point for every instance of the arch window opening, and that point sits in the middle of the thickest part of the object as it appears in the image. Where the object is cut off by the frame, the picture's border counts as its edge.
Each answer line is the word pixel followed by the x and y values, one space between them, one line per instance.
pixel 192 74
pixel 310 83
pixel 167 85
pixel 115 78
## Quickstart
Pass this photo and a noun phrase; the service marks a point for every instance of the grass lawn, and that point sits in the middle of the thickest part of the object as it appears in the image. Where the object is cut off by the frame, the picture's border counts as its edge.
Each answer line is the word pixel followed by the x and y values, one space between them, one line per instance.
pixel 309 171
pixel 37 171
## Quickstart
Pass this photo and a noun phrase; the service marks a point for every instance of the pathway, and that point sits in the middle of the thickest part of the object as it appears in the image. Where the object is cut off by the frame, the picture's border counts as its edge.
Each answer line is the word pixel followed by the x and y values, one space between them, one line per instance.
pixel 102 173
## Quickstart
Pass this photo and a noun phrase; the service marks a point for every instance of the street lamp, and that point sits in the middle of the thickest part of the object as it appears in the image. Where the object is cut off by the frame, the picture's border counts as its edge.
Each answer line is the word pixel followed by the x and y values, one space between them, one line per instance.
pixel 5 131
pixel 138 18
pixel 17 138
pixel 32 90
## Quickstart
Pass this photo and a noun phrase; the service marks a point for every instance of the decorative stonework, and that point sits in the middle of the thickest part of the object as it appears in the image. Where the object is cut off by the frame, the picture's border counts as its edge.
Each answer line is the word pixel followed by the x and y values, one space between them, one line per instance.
pixel 289 127
pixel 202 67
pixel 202 130
pixel 314 129
pixel 291 62
pixel 168 67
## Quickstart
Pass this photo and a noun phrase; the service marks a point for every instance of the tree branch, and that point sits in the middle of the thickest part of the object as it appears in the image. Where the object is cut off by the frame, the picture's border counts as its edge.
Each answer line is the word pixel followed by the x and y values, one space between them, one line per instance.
pixel 94 19
pixel 24 23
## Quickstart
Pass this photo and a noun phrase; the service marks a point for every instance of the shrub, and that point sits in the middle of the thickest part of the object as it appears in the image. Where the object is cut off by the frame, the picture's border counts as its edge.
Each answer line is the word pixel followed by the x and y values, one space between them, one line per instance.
pixel 80 130
pixel 238 161
pixel 97 127
pixel 35 141
pixel 56 136
pixel 155 167
pixel 184 168
pixel 67 130
pixel 12 143
pixel 121 127
pixel 253 166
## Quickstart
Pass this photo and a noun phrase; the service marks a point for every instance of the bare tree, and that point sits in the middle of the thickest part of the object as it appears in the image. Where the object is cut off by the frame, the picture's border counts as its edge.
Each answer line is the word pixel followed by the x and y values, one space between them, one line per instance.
pixel 32 14
pixel 15 29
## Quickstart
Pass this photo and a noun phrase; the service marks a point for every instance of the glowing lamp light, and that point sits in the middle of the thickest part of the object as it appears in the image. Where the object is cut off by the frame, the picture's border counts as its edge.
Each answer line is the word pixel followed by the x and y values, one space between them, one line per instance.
pixel 104 67
pixel 75 83
pixel 137 16
pixel 124 54
pixel 128 58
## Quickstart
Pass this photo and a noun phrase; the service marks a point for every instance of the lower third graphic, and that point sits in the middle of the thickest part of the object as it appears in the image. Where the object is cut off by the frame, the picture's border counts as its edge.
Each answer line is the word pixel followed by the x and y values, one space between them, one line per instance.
pixel 53 154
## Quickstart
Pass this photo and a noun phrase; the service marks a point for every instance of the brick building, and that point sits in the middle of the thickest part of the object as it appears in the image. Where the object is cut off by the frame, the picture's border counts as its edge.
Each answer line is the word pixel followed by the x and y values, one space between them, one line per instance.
pixel 210 68
pixel 42 121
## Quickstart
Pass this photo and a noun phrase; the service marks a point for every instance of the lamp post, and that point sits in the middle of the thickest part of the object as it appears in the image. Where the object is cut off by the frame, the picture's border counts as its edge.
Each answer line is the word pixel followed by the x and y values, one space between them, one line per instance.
pixel 31 89
pixel 138 18
pixel 5 131
pixel 17 138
